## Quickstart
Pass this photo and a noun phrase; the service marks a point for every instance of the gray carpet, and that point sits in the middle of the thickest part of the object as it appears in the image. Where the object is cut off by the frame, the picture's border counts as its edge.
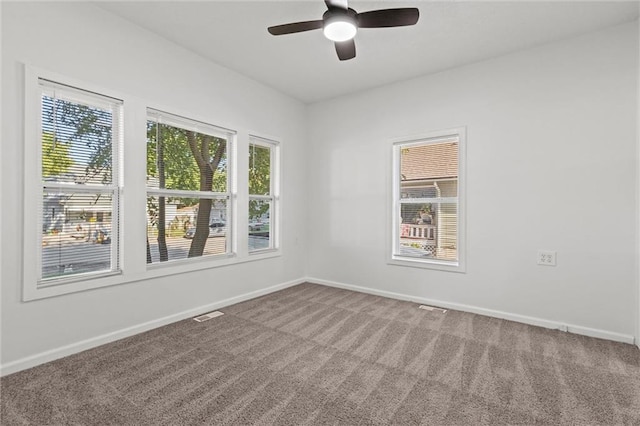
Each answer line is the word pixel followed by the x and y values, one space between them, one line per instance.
pixel 318 355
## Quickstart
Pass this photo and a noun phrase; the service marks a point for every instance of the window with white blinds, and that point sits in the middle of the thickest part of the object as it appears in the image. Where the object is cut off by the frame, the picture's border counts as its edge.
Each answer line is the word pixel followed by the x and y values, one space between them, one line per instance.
pixel 79 138
pixel 263 190
pixel 188 189
pixel 83 230
pixel 427 200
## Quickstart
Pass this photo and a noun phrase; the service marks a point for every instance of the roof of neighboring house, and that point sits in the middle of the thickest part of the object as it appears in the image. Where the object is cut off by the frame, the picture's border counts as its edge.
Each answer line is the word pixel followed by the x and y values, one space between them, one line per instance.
pixel 188 209
pixel 433 161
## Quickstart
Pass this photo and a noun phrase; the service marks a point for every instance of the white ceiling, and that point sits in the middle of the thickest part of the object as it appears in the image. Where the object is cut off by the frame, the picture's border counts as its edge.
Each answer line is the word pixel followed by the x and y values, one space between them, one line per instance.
pixel 305 66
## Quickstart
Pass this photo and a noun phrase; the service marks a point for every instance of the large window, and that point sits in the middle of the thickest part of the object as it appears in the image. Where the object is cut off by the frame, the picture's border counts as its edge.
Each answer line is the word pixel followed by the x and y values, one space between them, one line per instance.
pixel 427 212
pixel 101 208
pixel 188 189
pixel 79 143
pixel 263 191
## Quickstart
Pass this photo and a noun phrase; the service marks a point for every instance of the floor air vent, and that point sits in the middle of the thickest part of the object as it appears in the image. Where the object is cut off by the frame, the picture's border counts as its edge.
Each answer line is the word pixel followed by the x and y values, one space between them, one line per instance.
pixel 432 308
pixel 205 317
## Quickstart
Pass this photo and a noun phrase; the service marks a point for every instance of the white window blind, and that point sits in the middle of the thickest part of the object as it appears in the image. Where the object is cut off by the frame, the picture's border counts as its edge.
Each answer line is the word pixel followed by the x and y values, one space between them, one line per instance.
pixel 80 136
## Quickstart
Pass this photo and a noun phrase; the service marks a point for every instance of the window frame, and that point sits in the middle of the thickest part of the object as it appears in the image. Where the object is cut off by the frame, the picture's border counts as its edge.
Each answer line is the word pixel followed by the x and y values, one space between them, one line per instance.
pixel 229 196
pixel 274 193
pixel 34 286
pixel 393 256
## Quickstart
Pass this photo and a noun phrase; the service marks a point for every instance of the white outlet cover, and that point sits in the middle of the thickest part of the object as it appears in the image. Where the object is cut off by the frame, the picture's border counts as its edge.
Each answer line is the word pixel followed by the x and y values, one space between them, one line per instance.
pixel 546 258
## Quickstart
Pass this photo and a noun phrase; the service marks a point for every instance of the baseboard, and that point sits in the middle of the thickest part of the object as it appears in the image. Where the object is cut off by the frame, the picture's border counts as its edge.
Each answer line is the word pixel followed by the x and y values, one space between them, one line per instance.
pixel 586 331
pixel 53 354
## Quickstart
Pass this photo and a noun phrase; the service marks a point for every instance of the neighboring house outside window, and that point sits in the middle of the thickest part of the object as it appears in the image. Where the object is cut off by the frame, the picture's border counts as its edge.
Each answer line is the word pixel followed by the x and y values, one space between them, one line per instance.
pixel 428 214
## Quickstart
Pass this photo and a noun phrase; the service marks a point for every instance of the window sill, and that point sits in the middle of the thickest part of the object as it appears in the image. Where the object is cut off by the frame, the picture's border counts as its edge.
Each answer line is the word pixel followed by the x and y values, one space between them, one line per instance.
pixel 427 264
pixel 164 269
pixel 266 251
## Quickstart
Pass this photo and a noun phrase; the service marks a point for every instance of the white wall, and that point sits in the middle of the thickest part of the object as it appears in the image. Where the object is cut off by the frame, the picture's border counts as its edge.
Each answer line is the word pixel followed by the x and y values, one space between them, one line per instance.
pixel 551 140
pixel 1 177
pixel 638 208
pixel 85 43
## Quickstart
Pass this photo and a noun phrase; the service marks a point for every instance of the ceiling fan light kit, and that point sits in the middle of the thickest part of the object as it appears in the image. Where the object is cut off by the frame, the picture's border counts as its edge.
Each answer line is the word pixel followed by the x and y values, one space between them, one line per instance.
pixel 340 24
pixel 340 30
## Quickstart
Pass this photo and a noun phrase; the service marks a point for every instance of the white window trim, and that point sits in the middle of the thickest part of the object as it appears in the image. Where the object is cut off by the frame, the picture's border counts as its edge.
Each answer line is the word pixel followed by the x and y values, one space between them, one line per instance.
pixel 274 191
pixel 33 286
pixel 132 259
pixel 398 144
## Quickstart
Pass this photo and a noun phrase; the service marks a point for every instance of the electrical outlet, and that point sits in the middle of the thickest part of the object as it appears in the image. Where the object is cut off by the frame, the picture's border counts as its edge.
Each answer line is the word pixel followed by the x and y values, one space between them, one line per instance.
pixel 546 258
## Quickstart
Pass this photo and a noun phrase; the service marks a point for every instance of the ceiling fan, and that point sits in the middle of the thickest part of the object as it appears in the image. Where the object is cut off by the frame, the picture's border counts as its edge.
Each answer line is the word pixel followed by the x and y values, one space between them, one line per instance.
pixel 340 24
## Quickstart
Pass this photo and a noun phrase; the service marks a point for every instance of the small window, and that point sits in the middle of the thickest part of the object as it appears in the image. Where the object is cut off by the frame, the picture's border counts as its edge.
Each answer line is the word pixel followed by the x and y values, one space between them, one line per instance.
pixel 188 189
pixel 262 194
pixel 427 211
pixel 79 140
